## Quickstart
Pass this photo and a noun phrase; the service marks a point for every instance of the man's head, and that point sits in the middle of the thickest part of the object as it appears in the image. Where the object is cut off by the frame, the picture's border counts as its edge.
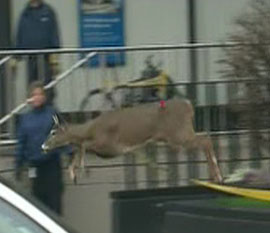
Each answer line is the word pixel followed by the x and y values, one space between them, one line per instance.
pixel 37 94
pixel 35 3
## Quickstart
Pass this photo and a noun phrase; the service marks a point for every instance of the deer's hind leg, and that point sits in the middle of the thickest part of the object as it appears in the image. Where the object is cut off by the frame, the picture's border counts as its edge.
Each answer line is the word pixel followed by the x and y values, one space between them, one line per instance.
pixel 72 168
pixel 81 159
pixel 204 143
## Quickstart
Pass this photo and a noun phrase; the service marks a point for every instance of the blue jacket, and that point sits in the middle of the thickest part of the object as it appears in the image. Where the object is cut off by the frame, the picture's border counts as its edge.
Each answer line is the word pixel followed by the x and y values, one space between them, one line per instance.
pixel 34 128
pixel 37 28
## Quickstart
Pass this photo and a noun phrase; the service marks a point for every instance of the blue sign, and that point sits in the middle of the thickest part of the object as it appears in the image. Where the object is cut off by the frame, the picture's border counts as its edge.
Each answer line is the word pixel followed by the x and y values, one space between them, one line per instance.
pixel 101 25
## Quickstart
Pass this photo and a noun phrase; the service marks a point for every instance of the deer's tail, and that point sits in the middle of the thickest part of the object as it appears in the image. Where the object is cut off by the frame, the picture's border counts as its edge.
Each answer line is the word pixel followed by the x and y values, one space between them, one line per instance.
pixel 190 108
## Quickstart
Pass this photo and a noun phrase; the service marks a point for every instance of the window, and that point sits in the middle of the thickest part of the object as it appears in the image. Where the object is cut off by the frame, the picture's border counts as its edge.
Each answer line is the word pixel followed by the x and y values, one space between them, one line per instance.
pixel 12 220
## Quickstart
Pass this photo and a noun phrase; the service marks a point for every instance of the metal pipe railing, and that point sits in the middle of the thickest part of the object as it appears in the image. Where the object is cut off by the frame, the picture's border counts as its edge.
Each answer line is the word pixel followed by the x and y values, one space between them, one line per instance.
pixel 212 134
pixel 48 86
pixel 93 51
pixel 70 70
pixel 4 60
pixel 8 142
pixel 128 48
pixel 186 83
pixel 143 164
pixel 13 112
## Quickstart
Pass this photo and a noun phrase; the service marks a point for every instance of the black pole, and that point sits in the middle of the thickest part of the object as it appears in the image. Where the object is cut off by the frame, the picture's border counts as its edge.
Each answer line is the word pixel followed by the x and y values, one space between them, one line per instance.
pixel 191 89
pixel 5 24
pixel 192 38
pixel 5 43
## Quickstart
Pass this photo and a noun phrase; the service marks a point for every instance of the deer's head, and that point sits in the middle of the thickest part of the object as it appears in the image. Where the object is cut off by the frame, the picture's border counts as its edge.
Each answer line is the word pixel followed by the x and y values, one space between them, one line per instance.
pixel 56 137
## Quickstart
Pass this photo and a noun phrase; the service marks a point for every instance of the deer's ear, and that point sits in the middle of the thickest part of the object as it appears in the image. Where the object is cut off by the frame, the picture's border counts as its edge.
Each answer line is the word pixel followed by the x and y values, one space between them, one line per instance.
pixel 56 120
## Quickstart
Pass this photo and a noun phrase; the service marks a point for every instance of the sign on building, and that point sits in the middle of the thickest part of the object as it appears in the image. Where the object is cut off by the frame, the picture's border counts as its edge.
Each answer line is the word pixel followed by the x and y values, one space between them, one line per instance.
pixel 101 25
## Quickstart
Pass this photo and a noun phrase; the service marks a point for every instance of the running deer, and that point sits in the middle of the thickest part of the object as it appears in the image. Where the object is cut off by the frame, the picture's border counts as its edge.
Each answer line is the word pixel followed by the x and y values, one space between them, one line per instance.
pixel 118 132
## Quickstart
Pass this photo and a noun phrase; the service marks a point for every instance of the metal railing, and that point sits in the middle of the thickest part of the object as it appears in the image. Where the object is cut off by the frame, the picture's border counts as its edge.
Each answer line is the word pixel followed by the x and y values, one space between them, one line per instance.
pixel 48 86
pixel 4 60
pixel 234 138
pixel 128 48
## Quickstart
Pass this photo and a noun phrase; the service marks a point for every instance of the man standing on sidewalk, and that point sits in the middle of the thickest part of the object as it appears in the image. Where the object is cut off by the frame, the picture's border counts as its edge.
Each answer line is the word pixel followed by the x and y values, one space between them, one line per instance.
pixel 38 29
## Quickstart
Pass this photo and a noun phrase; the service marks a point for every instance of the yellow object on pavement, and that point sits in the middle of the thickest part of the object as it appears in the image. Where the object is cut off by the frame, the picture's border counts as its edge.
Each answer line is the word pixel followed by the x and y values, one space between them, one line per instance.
pixel 259 194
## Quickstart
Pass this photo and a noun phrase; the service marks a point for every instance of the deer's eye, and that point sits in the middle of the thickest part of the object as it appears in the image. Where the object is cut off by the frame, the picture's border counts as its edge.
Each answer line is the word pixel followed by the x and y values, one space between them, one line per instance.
pixel 53 132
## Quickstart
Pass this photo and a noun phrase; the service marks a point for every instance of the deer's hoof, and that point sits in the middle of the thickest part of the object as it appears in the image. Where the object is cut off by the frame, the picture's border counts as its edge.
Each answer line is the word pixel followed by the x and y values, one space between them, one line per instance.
pixel 219 181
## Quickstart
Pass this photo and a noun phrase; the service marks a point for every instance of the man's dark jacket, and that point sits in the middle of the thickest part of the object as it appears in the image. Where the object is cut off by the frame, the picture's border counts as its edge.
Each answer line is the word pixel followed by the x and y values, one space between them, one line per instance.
pixel 37 28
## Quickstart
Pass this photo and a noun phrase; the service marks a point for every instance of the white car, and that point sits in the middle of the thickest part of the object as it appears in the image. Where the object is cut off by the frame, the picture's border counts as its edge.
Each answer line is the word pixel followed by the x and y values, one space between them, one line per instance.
pixel 18 215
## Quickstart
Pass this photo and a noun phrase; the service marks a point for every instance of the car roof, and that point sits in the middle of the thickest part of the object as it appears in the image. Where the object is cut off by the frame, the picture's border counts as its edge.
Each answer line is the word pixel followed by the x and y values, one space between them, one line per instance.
pixel 35 203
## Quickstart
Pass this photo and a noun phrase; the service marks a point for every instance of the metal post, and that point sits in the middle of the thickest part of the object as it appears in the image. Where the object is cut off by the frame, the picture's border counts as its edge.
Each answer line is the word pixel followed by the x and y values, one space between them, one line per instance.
pixel 192 89
pixel 130 173
pixel 2 91
pixel 5 18
pixel 192 34
pixel 4 44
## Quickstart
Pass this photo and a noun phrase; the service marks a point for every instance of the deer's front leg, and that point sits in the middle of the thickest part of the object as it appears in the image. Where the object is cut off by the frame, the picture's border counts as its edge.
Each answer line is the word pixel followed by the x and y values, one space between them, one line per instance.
pixel 72 167
pixel 73 164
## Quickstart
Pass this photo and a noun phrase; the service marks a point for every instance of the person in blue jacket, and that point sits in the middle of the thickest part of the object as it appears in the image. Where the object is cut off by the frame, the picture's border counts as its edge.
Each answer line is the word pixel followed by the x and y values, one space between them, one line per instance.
pixel 43 169
pixel 38 29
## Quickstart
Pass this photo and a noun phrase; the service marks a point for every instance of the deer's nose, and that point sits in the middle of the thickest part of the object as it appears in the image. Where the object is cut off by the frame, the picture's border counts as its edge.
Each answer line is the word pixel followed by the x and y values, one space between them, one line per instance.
pixel 44 148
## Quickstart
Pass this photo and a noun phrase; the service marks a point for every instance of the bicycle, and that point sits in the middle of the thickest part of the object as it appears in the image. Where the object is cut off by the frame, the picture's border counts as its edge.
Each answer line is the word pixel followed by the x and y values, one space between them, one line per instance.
pixel 153 85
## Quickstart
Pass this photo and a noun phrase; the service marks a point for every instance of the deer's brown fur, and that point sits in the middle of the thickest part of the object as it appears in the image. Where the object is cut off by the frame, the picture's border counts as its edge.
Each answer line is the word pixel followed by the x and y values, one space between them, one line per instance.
pixel 118 132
